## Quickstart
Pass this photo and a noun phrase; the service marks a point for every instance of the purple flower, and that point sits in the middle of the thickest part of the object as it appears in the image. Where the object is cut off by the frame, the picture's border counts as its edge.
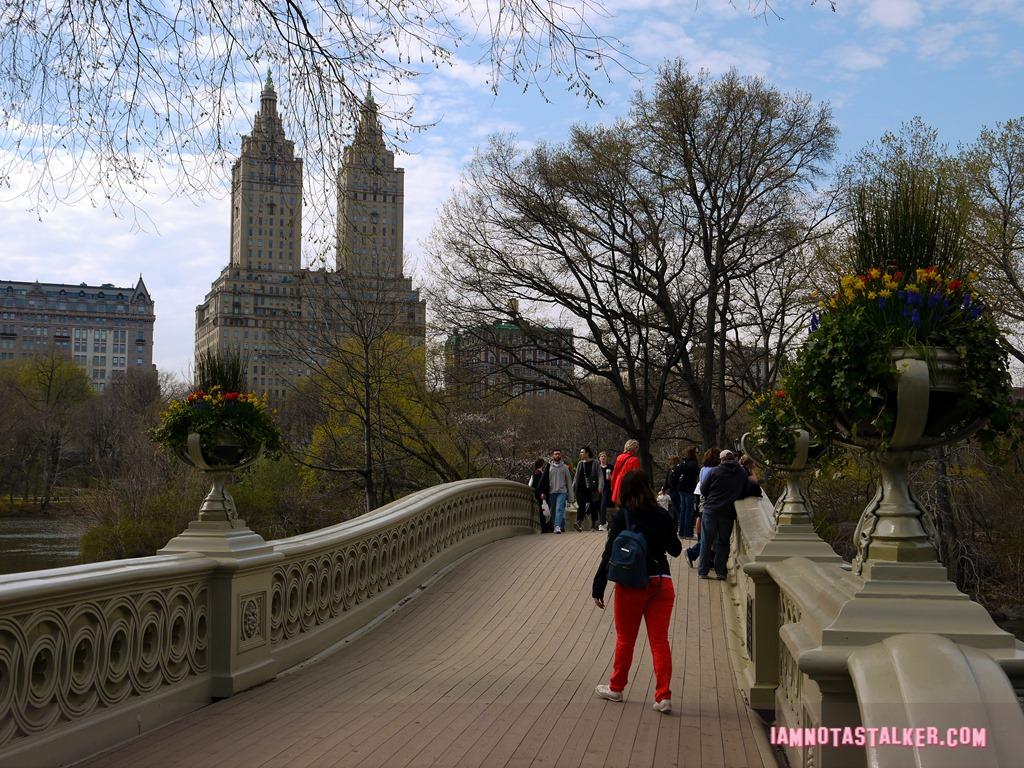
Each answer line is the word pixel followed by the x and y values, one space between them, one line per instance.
pixel 901 295
pixel 934 299
pixel 881 302
pixel 967 300
pixel 976 312
pixel 814 322
pixel 915 318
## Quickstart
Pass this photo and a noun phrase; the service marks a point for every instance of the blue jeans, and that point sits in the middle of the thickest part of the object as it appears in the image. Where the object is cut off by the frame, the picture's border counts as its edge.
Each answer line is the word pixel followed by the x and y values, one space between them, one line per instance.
pixel 715 533
pixel 556 503
pixel 688 516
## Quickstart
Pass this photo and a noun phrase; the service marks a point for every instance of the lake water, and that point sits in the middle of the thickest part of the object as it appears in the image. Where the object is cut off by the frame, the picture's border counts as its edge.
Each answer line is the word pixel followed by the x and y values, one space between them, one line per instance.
pixel 34 543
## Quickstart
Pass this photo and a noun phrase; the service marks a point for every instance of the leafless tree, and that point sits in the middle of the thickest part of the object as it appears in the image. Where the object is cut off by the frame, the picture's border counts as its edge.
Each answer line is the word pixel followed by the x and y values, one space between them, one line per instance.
pixel 743 161
pixel 993 168
pixel 579 237
pixel 100 98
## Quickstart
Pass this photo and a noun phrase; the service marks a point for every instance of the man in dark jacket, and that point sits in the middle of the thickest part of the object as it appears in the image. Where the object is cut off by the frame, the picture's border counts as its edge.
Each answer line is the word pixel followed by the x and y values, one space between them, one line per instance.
pixel 726 483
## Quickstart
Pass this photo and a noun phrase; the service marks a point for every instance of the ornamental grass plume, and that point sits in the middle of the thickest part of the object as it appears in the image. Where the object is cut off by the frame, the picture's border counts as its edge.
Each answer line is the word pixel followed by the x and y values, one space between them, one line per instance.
pixel 908 221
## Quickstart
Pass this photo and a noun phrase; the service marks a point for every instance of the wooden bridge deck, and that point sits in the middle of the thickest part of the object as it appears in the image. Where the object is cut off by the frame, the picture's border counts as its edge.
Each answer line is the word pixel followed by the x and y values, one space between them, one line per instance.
pixel 493 665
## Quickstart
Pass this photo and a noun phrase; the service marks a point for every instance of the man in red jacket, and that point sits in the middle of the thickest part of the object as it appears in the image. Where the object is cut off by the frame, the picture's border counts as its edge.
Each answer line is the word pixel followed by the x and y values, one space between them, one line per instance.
pixel 626 462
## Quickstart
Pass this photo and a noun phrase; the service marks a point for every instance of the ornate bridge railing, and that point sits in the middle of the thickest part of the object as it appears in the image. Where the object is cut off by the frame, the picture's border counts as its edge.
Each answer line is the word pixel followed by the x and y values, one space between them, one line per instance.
pixel 93 655
pixel 895 647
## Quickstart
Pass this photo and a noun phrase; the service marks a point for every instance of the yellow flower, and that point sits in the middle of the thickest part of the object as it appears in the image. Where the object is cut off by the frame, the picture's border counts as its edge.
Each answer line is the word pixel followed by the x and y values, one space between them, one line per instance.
pixel 972 276
pixel 886 293
pixel 874 272
pixel 913 287
pixel 872 295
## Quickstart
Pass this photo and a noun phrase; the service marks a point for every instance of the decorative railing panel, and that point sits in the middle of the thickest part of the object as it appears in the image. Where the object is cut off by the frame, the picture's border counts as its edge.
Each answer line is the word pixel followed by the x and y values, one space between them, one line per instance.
pixel 77 641
pixel 333 571
pixel 91 655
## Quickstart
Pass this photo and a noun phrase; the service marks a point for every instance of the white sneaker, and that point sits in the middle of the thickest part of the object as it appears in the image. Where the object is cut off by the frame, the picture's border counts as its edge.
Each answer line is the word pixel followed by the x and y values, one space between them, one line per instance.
pixel 602 527
pixel 664 706
pixel 557 529
pixel 607 693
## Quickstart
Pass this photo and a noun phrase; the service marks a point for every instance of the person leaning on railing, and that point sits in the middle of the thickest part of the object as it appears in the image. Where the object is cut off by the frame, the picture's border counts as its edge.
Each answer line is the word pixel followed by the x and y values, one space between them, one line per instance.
pixel 722 488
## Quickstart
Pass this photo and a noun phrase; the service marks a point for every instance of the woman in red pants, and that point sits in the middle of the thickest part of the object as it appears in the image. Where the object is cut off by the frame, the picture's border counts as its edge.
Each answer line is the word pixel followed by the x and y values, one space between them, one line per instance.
pixel 652 603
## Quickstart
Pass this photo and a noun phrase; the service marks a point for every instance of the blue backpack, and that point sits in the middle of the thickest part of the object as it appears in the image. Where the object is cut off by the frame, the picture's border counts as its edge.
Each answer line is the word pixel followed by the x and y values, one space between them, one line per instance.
pixel 628 562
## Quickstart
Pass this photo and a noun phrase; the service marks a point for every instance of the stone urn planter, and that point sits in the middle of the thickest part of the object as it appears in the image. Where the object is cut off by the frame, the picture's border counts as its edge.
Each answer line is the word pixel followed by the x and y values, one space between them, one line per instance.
pixel 792 508
pixel 223 455
pixel 219 432
pixel 928 410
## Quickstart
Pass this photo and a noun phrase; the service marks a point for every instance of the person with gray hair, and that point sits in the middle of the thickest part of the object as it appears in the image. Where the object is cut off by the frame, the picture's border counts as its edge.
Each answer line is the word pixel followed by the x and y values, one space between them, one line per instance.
pixel 625 462
pixel 725 484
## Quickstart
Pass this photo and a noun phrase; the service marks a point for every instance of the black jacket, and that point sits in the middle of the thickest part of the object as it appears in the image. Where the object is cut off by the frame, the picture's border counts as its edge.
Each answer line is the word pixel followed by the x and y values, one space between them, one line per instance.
pixel 724 485
pixel 658 529
pixel 689 472
pixel 538 482
pixel 589 467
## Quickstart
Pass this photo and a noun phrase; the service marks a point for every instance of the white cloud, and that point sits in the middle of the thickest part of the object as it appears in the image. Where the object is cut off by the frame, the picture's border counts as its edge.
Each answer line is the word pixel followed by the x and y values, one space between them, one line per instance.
pixel 942 42
pixel 891 14
pixel 857 59
pixel 659 39
pixel 429 180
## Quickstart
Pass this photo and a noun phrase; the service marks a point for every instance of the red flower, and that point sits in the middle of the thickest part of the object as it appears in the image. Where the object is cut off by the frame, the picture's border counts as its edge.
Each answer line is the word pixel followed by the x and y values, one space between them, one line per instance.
pixel 230 395
pixel 954 285
pixel 897 276
pixel 780 393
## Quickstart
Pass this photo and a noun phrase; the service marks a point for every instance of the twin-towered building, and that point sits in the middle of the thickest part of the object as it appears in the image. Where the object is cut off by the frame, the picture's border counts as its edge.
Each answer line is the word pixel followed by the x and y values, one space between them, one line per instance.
pixel 264 304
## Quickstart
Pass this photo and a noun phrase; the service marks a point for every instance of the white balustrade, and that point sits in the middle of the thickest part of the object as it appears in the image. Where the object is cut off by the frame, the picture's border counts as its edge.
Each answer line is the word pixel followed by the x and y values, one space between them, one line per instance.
pixel 95 654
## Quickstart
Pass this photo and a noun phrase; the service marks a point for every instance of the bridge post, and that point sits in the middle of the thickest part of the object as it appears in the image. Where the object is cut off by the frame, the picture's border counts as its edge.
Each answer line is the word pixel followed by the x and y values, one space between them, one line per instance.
pixel 240 595
pixel 769 535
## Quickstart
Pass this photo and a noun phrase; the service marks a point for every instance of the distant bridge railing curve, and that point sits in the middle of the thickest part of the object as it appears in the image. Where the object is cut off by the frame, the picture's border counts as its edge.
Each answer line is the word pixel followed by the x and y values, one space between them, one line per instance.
pixel 93 655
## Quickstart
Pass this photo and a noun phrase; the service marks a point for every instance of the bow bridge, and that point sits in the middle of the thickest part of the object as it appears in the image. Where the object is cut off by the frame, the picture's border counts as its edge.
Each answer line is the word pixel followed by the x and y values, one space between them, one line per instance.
pixel 442 631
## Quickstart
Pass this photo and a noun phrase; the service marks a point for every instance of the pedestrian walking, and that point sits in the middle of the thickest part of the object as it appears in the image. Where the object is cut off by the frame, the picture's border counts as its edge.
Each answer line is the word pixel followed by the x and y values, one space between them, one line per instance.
pixel 666 488
pixel 626 462
pixel 686 476
pixel 558 489
pixel 536 482
pixel 606 491
pixel 588 484
pixel 638 511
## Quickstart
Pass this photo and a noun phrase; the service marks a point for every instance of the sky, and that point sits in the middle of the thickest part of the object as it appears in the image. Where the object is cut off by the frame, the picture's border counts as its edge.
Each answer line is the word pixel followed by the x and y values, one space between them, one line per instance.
pixel 958 64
